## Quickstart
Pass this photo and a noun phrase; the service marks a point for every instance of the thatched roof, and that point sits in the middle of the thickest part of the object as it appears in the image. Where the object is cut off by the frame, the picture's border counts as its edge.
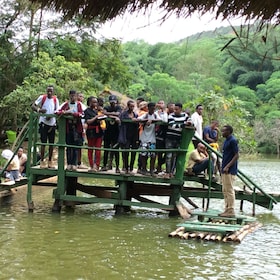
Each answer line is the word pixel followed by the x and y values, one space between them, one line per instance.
pixel 264 10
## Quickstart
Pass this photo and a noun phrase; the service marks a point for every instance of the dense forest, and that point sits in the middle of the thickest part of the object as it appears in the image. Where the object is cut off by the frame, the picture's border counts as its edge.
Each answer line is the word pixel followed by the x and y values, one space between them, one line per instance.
pixel 234 71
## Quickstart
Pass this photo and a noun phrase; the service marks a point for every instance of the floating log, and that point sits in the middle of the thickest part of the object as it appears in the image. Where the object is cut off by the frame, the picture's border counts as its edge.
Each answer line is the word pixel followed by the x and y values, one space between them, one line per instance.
pixel 175 232
pixel 242 235
pixel 214 228
pixel 185 235
pixel 207 237
pixel 193 235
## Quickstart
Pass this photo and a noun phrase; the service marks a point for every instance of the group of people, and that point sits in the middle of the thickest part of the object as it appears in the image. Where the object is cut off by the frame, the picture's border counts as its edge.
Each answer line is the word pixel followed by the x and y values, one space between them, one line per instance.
pixel 140 125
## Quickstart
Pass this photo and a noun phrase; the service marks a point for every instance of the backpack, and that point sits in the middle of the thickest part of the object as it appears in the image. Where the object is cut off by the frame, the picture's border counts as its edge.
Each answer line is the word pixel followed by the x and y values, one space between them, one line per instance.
pixel 54 100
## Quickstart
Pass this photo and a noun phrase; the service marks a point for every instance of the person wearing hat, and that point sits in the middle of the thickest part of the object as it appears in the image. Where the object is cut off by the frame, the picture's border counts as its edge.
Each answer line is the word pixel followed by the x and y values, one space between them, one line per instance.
pixel 111 134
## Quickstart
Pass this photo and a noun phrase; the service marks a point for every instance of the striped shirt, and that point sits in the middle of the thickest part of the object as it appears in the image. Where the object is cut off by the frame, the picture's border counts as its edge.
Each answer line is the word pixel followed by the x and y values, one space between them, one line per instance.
pixel 175 125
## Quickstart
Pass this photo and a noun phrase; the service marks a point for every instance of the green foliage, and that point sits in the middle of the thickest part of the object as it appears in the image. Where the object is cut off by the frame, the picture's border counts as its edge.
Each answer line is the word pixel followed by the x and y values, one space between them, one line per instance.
pixel 45 71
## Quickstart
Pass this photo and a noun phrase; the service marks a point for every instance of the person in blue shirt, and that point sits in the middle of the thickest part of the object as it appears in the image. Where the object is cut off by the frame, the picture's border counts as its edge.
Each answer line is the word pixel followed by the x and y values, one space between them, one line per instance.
pixel 229 170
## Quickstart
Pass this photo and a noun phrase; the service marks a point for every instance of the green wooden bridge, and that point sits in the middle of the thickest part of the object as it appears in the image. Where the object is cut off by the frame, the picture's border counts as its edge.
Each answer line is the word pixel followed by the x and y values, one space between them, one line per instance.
pixel 126 190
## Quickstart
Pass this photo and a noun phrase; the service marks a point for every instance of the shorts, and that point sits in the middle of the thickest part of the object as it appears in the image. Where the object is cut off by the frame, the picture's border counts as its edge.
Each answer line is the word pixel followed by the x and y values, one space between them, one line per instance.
pixel 47 133
pixel 146 149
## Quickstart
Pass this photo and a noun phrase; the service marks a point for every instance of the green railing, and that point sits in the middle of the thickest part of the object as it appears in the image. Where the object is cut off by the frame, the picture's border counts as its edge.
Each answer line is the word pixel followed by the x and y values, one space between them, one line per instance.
pixel 253 187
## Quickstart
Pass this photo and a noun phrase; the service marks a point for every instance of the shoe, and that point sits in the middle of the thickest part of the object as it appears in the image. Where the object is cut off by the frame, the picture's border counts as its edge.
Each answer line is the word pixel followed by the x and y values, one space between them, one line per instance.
pixel 69 167
pixel 167 176
pixel 138 171
pixel 109 167
pixel 144 172
pixel 74 167
pixel 81 166
pixel 51 164
pixel 189 172
pixel 104 168
pixel 118 170
pixel 9 183
pixel 228 213
pixel 43 164
pixel 214 179
pixel 91 169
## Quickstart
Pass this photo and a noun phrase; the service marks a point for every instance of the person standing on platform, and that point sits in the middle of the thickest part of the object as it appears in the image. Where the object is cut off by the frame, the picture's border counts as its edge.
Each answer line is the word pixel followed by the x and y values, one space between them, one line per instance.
pixel 94 133
pixel 80 98
pixel 229 170
pixel 111 134
pixel 74 128
pixel 197 120
pixel 176 122
pixel 46 104
pixel 148 139
pixel 129 136
pixel 161 134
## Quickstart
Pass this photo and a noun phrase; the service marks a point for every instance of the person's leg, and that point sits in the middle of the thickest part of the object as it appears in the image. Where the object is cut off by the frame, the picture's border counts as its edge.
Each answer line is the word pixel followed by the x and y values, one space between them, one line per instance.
pixel 90 151
pixel 202 166
pixel 97 144
pixel 229 194
pixel 168 156
pixel 134 146
pixel 51 138
pixel 44 138
pixel 117 155
pixel 124 158
pixel 106 145
pixel 160 155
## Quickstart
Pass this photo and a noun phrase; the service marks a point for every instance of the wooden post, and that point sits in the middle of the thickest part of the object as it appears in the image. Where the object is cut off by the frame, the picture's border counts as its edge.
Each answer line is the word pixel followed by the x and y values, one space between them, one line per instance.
pixel 187 134
pixel 120 209
pixel 32 123
pixel 60 164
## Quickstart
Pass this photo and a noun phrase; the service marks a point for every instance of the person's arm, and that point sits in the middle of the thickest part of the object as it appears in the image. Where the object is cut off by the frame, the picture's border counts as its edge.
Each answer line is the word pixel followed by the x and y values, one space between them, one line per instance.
pixel 208 139
pixel 233 160
pixel 36 105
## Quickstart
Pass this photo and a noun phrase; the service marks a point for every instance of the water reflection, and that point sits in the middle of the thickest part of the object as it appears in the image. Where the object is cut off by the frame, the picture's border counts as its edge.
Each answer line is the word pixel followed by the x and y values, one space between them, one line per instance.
pixel 92 243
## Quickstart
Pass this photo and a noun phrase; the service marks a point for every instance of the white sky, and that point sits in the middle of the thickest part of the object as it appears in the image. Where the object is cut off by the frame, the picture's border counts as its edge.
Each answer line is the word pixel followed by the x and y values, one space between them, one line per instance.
pixel 149 27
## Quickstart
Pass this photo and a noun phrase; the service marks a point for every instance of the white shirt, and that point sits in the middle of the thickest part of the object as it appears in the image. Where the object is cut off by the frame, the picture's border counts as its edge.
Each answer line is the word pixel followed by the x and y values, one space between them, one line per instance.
pixel 197 122
pixel 149 132
pixel 50 107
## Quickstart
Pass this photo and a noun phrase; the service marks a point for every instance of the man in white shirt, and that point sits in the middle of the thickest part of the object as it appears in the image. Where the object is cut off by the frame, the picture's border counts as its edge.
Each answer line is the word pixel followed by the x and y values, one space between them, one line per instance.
pixel 197 120
pixel 46 104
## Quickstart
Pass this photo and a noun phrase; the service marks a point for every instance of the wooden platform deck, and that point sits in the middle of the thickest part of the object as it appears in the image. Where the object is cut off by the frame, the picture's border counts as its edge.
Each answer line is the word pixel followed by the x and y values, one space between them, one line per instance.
pixel 209 226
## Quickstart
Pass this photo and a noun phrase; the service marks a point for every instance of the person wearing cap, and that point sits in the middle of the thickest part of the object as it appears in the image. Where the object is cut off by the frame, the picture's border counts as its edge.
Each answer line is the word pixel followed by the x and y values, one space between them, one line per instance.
pixel 111 134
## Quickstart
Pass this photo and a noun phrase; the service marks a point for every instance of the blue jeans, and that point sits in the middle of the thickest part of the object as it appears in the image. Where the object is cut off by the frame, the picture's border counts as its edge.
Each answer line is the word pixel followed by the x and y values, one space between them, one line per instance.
pixel 202 166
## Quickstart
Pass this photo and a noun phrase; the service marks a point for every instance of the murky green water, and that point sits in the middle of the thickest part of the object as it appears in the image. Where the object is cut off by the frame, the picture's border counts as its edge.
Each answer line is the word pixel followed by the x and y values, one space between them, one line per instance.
pixel 91 243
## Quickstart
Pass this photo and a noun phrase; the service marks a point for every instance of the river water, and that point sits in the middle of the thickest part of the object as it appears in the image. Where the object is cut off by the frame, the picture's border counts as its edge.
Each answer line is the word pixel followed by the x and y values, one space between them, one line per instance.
pixel 92 243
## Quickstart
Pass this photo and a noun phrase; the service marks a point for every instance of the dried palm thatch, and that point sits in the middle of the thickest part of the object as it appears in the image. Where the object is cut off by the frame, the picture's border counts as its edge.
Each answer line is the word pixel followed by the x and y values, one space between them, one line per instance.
pixel 265 10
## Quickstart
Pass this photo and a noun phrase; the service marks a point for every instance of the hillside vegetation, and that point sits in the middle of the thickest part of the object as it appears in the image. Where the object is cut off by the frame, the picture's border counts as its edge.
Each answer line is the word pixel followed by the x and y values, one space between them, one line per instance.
pixel 234 71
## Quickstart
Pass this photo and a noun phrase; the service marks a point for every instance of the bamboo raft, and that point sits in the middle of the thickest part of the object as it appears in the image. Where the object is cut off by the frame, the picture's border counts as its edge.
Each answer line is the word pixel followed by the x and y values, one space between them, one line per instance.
pixel 210 227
